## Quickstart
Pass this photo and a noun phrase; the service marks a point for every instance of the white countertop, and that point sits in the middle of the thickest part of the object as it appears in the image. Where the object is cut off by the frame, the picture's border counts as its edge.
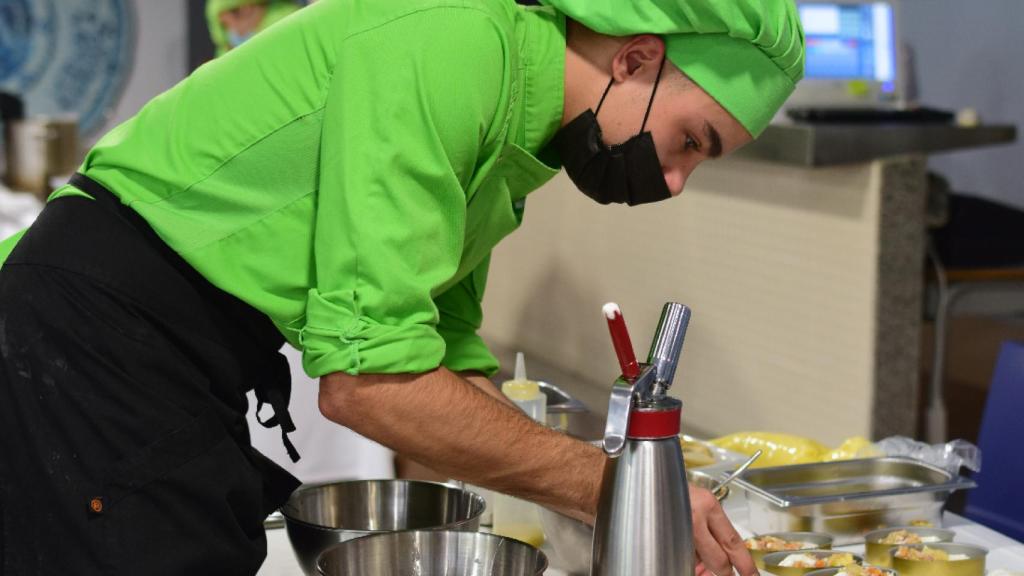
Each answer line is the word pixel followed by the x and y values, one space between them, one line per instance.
pixel 17 211
pixel 1004 552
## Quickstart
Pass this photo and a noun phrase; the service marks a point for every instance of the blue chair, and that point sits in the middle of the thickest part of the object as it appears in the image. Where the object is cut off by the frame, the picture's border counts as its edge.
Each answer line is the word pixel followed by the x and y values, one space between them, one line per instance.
pixel 997 502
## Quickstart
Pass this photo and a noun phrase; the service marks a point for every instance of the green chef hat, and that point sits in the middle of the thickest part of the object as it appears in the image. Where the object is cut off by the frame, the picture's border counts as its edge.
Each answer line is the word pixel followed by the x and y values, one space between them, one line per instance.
pixel 747 54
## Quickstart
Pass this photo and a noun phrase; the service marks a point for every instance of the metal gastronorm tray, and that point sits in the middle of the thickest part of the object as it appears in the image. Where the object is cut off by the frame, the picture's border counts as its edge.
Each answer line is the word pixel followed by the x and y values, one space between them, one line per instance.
pixel 848 498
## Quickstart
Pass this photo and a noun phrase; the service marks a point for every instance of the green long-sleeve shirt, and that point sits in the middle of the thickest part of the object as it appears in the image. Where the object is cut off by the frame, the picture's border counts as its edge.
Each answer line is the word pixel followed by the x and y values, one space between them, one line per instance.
pixel 348 171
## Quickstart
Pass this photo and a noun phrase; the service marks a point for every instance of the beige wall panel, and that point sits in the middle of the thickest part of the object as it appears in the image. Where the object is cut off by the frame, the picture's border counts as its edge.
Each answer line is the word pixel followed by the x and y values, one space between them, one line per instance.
pixel 778 264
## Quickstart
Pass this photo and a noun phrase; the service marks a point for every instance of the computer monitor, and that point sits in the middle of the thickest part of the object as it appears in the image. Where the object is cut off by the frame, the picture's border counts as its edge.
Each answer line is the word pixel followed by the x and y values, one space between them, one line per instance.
pixel 852 54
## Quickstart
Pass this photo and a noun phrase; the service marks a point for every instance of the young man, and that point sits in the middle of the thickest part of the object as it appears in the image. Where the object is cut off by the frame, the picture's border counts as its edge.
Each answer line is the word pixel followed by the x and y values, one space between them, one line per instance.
pixel 339 181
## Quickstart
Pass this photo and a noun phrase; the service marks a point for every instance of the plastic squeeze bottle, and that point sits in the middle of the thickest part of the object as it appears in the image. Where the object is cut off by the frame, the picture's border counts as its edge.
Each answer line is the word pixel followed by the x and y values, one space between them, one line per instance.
pixel 513 517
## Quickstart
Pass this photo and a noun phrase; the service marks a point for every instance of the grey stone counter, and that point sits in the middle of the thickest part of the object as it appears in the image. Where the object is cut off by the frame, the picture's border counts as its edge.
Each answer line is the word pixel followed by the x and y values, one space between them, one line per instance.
pixel 835 144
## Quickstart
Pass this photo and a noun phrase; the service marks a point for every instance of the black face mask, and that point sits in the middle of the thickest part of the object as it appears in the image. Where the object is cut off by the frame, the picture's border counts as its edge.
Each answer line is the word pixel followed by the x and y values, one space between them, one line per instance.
pixel 627 173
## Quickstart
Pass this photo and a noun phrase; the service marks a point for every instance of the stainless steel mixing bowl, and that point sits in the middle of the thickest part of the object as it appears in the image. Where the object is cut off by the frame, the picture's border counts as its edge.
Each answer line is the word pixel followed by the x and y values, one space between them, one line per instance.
pixel 432 553
pixel 317 517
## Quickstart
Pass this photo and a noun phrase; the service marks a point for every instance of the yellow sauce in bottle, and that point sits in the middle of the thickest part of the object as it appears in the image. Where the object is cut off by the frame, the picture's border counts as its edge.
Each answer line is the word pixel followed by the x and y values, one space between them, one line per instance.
pixel 532 534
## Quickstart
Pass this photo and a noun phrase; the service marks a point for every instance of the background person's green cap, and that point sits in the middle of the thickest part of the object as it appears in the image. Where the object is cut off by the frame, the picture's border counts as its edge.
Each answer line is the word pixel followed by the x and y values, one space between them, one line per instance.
pixel 215 7
pixel 747 54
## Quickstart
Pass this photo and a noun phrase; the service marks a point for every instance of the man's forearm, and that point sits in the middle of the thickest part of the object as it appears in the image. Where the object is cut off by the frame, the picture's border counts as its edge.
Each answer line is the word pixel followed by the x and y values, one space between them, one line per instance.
pixel 485 385
pixel 460 430
pixel 407 468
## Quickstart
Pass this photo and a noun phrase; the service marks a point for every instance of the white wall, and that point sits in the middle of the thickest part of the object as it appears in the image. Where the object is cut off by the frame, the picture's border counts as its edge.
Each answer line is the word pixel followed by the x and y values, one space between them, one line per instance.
pixel 969 54
pixel 161 50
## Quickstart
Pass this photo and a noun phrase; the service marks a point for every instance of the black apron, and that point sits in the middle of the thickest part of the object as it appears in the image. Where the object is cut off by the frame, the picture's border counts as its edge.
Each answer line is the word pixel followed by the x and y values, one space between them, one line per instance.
pixel 123 442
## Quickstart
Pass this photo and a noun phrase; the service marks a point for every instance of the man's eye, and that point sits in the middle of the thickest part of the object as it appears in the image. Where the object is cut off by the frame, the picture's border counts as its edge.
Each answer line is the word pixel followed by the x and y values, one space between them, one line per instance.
pixel 692 144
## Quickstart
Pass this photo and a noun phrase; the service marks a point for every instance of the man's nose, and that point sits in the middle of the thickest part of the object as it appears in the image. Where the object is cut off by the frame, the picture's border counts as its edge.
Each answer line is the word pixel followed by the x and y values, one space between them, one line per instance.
pixel 675 179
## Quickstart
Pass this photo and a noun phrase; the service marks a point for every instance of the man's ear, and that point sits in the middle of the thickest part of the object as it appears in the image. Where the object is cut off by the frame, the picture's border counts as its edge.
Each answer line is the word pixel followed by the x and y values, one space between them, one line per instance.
pixel 640 56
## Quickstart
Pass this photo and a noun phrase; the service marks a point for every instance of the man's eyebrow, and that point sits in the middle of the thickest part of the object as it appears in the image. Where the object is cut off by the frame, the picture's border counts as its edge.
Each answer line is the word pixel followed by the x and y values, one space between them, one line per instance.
pixel 715 151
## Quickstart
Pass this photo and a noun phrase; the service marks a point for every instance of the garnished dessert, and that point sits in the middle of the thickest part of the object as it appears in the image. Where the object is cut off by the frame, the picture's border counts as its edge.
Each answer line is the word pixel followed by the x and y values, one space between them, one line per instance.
pixel 696 454
pixel 837 560
pixel 927 554
pixel 776 544
pixel 858 570
pixel 906 537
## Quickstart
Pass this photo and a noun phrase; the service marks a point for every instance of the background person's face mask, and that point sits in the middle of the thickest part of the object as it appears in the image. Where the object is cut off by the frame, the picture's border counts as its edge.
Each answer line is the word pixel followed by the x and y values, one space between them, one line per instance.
pixel 236 39
pixel 627 173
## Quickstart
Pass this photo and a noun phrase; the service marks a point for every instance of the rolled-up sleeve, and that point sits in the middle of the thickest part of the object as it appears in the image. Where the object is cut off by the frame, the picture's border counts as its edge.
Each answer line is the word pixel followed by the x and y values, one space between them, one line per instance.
pixel 409 106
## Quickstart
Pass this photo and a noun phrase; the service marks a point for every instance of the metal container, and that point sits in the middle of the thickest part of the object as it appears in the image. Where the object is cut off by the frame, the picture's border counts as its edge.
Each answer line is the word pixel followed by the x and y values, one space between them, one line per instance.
pixel 570 540
pixel 878 554
pixel 771 561
pixel 432 553
pixel 834 571
pixel 644 525
pixel 319 516
pixel 849 498
pixel 815 541
pixel 560 401
pixel 39 148
pixel 643 517
pixel 705 476
pixel 568 415
pixel 973 566
pixel 725 460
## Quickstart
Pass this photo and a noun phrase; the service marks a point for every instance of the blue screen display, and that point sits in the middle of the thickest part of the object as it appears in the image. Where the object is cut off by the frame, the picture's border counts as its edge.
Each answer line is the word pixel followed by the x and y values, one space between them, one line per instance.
pixel 849 41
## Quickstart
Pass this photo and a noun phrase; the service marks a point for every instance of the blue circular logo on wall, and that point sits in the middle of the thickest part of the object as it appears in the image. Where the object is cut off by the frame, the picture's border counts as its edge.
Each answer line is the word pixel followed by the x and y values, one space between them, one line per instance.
pixel 15 36
pixel 74 58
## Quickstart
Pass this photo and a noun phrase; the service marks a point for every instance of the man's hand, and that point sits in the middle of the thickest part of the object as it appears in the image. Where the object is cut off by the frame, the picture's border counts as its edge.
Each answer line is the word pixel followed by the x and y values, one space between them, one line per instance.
pixel 719 546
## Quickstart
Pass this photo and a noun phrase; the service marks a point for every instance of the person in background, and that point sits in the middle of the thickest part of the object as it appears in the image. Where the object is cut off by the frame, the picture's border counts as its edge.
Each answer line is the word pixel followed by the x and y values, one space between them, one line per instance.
pixel 232 22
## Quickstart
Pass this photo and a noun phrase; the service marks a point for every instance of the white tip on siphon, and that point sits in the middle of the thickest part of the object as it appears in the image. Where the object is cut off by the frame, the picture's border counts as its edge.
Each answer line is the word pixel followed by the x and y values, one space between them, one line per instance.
pixel 610 310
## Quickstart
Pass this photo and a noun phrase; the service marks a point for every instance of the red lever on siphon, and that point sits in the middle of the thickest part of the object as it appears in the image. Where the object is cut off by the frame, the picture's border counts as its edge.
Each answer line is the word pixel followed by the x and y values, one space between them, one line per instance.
pixel 620 339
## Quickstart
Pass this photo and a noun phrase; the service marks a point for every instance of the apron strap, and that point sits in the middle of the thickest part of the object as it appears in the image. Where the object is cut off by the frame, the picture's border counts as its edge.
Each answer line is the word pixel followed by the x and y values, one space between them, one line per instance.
pixel 273 387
